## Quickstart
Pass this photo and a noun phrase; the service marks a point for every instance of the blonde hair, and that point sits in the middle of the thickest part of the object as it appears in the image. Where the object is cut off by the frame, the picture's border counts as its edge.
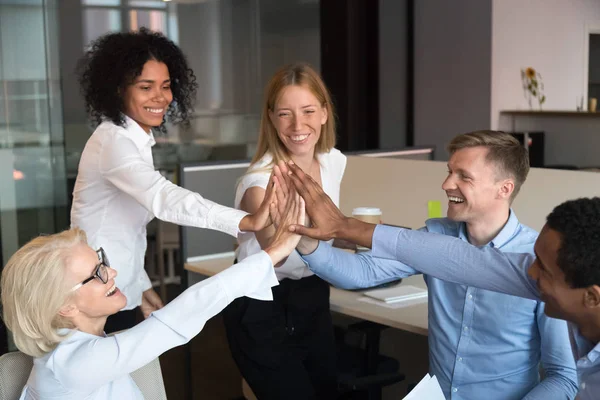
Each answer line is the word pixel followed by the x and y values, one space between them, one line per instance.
pixel 34 288
pixel 511 158
pixel 296 75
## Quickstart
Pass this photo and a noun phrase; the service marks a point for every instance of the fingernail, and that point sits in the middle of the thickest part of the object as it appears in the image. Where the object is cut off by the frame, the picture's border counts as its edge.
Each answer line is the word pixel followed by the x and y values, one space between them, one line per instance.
pixel 291 162
pixel 289 172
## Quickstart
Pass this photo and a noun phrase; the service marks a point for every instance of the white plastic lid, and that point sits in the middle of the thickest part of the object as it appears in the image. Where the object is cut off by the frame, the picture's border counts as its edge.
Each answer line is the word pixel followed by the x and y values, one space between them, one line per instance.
pixel 366 211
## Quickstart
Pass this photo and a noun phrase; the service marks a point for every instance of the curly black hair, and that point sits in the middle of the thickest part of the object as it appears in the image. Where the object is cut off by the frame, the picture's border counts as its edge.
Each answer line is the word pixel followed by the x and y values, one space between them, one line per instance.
pixel 116 59
pixel 578 222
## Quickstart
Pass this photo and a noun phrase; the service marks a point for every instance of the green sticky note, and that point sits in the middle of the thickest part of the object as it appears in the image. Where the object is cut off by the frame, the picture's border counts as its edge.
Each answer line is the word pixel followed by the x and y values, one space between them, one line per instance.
pixel 434 209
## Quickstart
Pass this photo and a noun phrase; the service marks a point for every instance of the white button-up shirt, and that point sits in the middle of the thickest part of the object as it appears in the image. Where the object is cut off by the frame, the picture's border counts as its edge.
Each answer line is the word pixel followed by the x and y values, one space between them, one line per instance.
pixel 86 366
pixel 118 192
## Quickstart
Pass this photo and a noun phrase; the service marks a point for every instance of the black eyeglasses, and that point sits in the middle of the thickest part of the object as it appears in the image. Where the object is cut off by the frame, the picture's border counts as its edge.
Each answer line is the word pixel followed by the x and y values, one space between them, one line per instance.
pixel 100 272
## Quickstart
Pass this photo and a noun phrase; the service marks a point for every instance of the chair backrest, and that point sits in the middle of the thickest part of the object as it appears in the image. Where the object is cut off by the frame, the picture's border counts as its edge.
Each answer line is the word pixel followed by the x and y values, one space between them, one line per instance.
pixel 15 368
pixel 150 381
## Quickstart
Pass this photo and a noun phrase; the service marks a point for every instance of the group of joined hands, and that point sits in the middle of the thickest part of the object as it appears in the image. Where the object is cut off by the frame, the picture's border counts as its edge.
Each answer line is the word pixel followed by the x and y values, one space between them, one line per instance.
pixel 297 206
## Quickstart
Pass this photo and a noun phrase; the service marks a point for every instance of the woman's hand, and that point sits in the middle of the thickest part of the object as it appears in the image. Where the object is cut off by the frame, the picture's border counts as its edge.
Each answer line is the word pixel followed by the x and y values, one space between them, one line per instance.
pixel 150 302
pixel 261 218
pixel 284 241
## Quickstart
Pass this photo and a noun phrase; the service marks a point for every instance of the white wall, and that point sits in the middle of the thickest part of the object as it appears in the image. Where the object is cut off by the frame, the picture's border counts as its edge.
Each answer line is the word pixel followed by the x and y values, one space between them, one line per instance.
pixel 547 35
pixel 452 62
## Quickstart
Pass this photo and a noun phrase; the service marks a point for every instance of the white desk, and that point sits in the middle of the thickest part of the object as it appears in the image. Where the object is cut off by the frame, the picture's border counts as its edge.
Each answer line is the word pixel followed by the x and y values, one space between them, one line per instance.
pixel 411 318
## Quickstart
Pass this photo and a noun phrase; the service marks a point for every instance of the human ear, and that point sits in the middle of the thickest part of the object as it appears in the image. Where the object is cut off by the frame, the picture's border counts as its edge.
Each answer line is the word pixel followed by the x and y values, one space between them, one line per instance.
pixel 591 296
pixel 69 310
pixel 506 189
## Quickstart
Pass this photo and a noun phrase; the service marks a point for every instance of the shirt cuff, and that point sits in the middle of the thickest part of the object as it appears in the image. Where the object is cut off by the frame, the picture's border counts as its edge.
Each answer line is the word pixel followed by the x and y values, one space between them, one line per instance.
pixel 225 219
pixel 385 241
pixel 315 259
pixel 253 277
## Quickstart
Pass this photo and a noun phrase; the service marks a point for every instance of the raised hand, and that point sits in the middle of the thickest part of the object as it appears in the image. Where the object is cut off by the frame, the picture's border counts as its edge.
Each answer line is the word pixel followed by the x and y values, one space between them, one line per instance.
pixel 284 241
pixel 327 219
pixel 328 222
pixel 261 218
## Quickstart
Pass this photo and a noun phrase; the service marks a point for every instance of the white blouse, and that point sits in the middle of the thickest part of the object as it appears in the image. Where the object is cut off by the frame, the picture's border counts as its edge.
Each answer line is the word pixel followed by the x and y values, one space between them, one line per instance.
pixel 333 165
pixel 118 192
pixel 86 366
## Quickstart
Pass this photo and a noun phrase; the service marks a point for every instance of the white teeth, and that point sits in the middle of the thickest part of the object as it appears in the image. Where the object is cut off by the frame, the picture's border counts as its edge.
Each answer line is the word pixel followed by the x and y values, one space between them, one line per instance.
pixel 111 291
pixel 299 138
pixel 456 199
pixel 155 110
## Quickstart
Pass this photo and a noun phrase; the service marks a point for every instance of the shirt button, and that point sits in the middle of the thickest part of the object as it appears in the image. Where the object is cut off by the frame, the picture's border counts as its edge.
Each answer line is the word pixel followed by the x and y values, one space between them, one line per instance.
pixel 459 358
pixel 455 389
pixel 582 385
pixel 466 328
pixel 470 296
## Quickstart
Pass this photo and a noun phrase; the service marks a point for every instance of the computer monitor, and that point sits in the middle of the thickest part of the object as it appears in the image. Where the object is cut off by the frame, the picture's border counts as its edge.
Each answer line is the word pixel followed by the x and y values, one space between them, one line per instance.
pixel 215 181
pixel 413 153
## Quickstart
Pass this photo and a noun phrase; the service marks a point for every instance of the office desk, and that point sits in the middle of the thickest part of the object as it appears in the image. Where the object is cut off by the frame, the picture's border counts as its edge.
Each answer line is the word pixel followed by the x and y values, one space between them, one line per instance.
pixel 411 318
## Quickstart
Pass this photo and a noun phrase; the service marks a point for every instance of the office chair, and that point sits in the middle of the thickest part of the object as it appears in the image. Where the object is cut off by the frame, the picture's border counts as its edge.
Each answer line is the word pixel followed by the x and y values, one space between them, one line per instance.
pixel 14 372
pixel 362 371
pixel 15 368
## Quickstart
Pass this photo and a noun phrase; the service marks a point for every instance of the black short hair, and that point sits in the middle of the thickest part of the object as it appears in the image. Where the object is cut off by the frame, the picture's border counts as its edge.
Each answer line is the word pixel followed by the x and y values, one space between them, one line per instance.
pixel 578 223
pixel 114 60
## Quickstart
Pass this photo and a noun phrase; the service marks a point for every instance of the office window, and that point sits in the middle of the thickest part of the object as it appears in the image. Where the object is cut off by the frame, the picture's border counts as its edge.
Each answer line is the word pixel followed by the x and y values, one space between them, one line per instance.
pixel 98 21
pixel 148 3
pixel 154 20
pixel 101 3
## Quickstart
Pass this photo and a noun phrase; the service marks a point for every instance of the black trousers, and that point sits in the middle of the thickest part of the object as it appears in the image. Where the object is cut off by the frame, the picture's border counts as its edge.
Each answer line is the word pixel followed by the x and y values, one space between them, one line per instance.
pixel 121 320
pixel 285 348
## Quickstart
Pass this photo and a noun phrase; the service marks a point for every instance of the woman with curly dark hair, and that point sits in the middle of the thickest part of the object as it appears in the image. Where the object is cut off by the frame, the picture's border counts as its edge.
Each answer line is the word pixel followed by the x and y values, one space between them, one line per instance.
pixel 133 82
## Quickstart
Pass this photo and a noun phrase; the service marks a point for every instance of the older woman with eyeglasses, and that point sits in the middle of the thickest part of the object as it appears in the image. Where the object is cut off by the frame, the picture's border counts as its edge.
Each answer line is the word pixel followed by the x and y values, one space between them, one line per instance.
pixel 57 293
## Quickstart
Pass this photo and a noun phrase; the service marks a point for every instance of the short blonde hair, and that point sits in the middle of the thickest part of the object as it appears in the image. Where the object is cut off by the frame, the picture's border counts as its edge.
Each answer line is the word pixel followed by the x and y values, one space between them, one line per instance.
pixel 293 75
pixel 510 156
pixel 34 288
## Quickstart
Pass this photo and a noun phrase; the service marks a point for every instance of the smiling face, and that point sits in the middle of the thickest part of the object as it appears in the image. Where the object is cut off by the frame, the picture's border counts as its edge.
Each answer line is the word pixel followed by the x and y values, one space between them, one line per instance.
pixel 95 299
pixel 146 100
pixel 298 118
pixel 562 301
pixel 473 187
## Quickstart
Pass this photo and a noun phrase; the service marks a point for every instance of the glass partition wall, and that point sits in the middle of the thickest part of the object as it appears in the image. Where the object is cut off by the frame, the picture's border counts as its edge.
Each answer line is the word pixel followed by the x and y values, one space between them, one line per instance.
pixel 33 195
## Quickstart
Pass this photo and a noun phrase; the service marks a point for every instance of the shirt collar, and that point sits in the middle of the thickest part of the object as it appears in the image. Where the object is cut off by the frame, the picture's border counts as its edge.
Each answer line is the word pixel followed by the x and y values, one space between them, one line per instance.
pixel 139 136
pixel 582 346
pixel 507 232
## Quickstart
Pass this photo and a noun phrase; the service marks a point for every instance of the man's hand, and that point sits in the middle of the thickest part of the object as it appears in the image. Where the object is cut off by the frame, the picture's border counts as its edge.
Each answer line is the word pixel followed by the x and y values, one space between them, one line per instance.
pixel 327 219
pixel 150 302
pixel 284 241
pixel 261 218
pixel 328 222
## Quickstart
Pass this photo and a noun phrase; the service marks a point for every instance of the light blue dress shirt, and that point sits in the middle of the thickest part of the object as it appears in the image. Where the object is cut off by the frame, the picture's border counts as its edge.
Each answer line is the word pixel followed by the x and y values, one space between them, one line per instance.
pixel 487 268
pixel 483 344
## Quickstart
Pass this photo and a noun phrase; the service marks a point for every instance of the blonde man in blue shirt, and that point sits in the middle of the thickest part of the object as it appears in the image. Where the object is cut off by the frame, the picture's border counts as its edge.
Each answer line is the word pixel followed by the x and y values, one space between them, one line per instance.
pixel 482 344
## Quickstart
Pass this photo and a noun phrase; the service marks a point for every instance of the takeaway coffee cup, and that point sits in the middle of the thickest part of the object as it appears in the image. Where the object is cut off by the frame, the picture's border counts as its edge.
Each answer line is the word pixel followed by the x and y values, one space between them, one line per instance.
pixel 371 215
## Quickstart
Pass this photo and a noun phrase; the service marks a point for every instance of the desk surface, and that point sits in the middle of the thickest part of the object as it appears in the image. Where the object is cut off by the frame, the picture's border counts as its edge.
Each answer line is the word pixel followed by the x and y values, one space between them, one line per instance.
pixel 411 318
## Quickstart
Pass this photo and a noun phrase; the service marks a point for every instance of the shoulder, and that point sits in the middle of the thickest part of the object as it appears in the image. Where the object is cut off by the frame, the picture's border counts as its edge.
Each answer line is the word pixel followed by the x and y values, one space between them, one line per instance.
pixel 444 226
pixel 258 173
pixel 334 161
pixel 525 238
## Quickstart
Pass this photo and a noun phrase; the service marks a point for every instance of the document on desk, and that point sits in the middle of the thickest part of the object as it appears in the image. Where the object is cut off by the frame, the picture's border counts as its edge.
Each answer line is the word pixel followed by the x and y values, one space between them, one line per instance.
pixel 428 389
pixel 397 293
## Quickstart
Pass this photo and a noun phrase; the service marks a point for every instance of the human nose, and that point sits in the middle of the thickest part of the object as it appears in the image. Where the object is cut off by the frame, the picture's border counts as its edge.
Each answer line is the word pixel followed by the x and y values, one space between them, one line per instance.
pixel 449 183
pixel 112 273
pixel 533 271
pixel 297 124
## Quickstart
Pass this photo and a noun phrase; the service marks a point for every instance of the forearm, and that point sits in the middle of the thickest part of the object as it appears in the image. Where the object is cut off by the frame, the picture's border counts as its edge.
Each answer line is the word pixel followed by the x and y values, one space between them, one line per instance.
pixel 454 260
pixel 554 387
pixel 355 231
pixel 353 271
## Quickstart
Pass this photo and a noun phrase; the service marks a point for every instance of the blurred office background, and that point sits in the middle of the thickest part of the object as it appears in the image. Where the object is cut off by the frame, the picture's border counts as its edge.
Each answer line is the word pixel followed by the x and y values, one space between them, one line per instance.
pixel 402 73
